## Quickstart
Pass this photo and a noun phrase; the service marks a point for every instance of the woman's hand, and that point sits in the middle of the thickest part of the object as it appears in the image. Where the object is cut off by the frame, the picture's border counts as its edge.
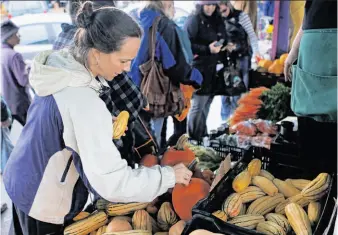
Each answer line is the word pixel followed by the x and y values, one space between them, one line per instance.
pixel 182 174
pixel 288 65
pixel 214 49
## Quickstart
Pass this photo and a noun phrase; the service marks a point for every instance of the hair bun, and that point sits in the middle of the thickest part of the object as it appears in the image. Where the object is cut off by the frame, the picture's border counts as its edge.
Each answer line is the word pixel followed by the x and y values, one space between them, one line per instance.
pixel 84 16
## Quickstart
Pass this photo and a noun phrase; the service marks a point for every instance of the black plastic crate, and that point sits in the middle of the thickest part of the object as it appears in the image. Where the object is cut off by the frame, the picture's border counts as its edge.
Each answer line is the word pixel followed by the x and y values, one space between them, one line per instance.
pixel 201 221
pixel 223 150
pixel 268 80
pixel 280 168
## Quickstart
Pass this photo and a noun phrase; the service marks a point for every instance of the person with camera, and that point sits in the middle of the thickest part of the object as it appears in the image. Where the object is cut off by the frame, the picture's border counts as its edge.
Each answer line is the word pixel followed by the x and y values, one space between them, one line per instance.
pixel 207 35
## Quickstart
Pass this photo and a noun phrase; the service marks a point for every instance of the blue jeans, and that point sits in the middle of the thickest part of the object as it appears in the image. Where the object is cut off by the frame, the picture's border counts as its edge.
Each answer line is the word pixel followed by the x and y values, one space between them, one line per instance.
pixel 198 114
pixel 156 125
pixel 229 103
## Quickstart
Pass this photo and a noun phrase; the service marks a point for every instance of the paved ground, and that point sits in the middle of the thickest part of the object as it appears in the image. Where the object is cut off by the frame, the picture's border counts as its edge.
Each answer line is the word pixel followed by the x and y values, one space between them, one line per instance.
pixel 213 122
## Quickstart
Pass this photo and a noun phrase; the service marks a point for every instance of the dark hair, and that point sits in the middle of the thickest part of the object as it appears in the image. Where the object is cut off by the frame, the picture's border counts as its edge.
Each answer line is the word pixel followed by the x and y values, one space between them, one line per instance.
pixel 199 9
pixel 102 3
pixel 74 5
pixel 104 29
pixel 216 14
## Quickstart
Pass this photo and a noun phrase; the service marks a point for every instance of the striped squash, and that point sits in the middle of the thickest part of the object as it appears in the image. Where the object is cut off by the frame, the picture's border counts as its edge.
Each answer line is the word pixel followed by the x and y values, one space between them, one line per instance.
pixel 131 232
pixel 265 204
pixel 124 208
pixel 298 219
pixel 87 225
pixel 247 221
pixel 251 193
pixel 141 220
pixel 233 205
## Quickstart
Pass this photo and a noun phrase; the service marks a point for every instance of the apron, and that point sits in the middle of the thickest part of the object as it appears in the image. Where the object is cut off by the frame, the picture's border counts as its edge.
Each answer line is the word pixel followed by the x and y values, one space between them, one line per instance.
pixel 314 77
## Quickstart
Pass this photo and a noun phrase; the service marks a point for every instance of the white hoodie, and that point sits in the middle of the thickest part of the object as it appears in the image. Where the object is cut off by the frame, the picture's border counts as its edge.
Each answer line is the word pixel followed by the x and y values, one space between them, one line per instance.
pixel 69 134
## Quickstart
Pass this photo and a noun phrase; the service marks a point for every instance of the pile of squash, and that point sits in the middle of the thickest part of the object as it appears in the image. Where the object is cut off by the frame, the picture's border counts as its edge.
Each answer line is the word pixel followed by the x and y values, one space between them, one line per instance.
pixel 166 217
pixel 275 67
pixel 127 219
pixel 273 206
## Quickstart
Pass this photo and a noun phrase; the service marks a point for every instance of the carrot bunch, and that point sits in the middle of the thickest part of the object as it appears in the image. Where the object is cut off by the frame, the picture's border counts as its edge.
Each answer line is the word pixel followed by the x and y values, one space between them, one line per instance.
pixel 249 105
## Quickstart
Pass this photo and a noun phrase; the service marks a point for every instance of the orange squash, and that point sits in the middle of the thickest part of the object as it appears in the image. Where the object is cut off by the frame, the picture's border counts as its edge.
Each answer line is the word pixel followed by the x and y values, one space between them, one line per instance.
pixel 173 157
pixel 184 197
pixel 149 160
pixel 265 63
pixel 283 57
pixel 276 67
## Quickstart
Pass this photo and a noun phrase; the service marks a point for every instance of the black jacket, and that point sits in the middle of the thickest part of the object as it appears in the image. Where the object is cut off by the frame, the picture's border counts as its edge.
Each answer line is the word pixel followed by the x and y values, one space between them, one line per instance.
pixel 202 32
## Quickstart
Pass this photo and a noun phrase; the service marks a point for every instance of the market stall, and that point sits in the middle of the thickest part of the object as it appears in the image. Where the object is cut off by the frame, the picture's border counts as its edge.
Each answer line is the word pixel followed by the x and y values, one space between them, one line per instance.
pixel 248 179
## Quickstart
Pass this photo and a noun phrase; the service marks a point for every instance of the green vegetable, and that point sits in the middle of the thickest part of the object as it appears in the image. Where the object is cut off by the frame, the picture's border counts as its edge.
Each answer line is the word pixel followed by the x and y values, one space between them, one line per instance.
pixel 276 103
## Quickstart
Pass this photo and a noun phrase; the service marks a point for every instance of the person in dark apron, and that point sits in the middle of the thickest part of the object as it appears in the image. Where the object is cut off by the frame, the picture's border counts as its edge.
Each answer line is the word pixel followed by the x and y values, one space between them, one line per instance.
pixel 312 68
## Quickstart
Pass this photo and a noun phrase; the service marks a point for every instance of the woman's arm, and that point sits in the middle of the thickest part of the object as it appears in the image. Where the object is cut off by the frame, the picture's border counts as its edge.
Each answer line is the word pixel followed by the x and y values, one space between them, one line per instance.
pixel 245 21
pixel 293 54
pixel 108 174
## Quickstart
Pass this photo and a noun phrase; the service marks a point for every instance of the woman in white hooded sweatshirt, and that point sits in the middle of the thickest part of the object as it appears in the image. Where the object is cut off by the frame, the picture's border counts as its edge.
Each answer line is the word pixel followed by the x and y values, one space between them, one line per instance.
pixel 65 149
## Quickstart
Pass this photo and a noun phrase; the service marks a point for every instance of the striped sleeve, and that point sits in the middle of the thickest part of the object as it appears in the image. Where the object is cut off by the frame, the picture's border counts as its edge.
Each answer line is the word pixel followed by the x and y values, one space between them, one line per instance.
pixel 244 20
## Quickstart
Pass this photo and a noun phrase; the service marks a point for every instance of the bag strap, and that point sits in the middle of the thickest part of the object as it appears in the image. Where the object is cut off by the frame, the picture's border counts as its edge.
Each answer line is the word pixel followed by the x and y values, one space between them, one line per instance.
pixel 150 135
pixel 152 41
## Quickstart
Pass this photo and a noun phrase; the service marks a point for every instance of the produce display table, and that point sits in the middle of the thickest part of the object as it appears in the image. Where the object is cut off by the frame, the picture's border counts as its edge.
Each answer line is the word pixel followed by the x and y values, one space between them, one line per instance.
pixel 281 167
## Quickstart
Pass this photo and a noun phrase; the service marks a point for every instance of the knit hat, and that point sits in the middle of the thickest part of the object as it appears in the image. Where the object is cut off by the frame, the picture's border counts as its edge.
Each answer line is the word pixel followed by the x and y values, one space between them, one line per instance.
pixel 206 2
pixel 8 28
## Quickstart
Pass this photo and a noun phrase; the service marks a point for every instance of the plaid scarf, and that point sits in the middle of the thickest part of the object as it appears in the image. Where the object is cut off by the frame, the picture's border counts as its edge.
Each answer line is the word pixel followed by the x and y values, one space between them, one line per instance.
pixel 122 95
pixel 66 37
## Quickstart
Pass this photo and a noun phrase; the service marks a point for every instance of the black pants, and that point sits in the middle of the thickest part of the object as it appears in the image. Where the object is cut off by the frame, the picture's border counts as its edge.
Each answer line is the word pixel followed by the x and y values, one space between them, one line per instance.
pixel 318 142
pixel 24 225
pixel 180 128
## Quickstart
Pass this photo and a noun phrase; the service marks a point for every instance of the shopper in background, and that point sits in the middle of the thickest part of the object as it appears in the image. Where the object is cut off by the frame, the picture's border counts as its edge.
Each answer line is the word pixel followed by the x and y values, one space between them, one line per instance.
pixel 205 27
pixel 250 8
pixel 239 32
pixel 168 52
pixel 66 149
pixel 313 59
pixel 180 127
pixel 66 37
pixel 14 73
